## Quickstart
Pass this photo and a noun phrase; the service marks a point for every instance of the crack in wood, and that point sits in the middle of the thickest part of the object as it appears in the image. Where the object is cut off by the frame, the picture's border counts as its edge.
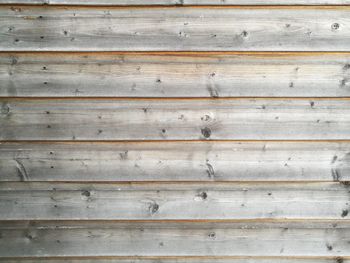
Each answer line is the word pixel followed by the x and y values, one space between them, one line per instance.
pixel 22 173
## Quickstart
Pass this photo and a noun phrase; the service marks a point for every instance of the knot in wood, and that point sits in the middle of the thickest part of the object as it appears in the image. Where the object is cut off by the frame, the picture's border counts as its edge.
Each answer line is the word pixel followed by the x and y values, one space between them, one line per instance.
pixel 206 132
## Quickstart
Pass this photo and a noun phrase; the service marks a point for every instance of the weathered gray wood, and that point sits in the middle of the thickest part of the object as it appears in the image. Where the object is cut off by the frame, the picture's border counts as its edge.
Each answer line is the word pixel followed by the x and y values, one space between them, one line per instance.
pixel 175 161
pixel 191 201
pixel 177 2
pixel 181 260
pixel 314 119
pixel 174 75
pixel 30 28
pixel 114 239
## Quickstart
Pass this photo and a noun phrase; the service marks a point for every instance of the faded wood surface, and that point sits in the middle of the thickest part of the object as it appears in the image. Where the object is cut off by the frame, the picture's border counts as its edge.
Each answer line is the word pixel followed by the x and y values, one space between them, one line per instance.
pixel 181 260
pixel 177 2
pixel 174 29
pixel 139 186
pixel 303 119
pixel 116 239
pixel 174 75
pixel 176 161
pixel 191 201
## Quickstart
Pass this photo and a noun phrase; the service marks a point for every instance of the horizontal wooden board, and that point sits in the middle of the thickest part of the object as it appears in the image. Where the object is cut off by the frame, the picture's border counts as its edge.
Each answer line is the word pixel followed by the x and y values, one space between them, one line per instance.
pixel 174 75
pixel 191 201
pixel 176 161
pixel 142 119
pixel 114 239
pixel 179 260
pixel 176 2
pixel 30 28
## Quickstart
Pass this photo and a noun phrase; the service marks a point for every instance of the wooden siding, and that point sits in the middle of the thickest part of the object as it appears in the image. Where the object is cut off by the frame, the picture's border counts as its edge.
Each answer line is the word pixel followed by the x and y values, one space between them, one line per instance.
pixel 174 131
pixel 175 2
pixel 182 260
pixel 164 75
pixel 174 29
pixel 231 119
pixel 191 201
pixel 175 161
pixel 173 239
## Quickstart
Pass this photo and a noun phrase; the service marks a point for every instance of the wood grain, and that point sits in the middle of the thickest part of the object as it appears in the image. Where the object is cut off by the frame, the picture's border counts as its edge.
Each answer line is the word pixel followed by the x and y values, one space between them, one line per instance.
pixel 190 201
pixel 179 260
pixel 30 28
pixel 238 119
pixel 176 2
pixel 65 239
pixel 174 75
pixel 175 161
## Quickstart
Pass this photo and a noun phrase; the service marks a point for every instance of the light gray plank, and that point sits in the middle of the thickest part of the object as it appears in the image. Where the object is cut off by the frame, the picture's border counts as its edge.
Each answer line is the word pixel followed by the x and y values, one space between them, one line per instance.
pixel 191 201
pixel 176 29
pixel 177 2
pixel 239 119
pixel 174 75
pixel 182 260
pixel 176 161
pixel 113 239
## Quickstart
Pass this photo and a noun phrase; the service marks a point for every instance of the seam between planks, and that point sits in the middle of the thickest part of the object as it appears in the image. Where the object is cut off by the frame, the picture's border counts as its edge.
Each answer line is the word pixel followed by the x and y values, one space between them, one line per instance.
pixel 170 98
pixel 176 257
pixel 4 98
pixel 172 141
pixel 181 53
pixel 188 183
pixel 65 6
pixel 164 222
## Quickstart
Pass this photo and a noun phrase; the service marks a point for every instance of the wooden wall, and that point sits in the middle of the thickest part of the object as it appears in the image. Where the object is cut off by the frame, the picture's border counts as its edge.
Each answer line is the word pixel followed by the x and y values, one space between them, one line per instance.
pixel 175 131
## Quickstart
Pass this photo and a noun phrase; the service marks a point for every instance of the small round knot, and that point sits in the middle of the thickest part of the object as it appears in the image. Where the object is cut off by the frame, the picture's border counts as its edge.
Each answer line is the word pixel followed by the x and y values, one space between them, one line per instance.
pixel 86 193
pixel 5 109
pixel 212 235
pixel 244 33
pixel 203 195
pixel 206 132
pixel 335 26
pixel 153 208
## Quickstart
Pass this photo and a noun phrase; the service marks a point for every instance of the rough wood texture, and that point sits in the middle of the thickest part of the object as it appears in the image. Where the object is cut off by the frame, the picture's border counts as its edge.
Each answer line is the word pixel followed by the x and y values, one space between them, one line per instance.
pixel 176 161
pixel 116 239
pixel 173 29
pixel 181 260
pixel 139 117
pixel 176 2
pixel 315 119
pixel 191 201
pixel 174 75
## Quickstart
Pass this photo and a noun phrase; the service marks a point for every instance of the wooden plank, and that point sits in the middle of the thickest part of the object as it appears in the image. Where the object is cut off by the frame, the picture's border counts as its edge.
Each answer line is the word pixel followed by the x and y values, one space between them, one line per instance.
pixel 180 260
pixel 175 161
pixel 30 28
pixel 142 119
pixel 176 2
pixel 64 239
pixel 170 201
pixel 174 75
